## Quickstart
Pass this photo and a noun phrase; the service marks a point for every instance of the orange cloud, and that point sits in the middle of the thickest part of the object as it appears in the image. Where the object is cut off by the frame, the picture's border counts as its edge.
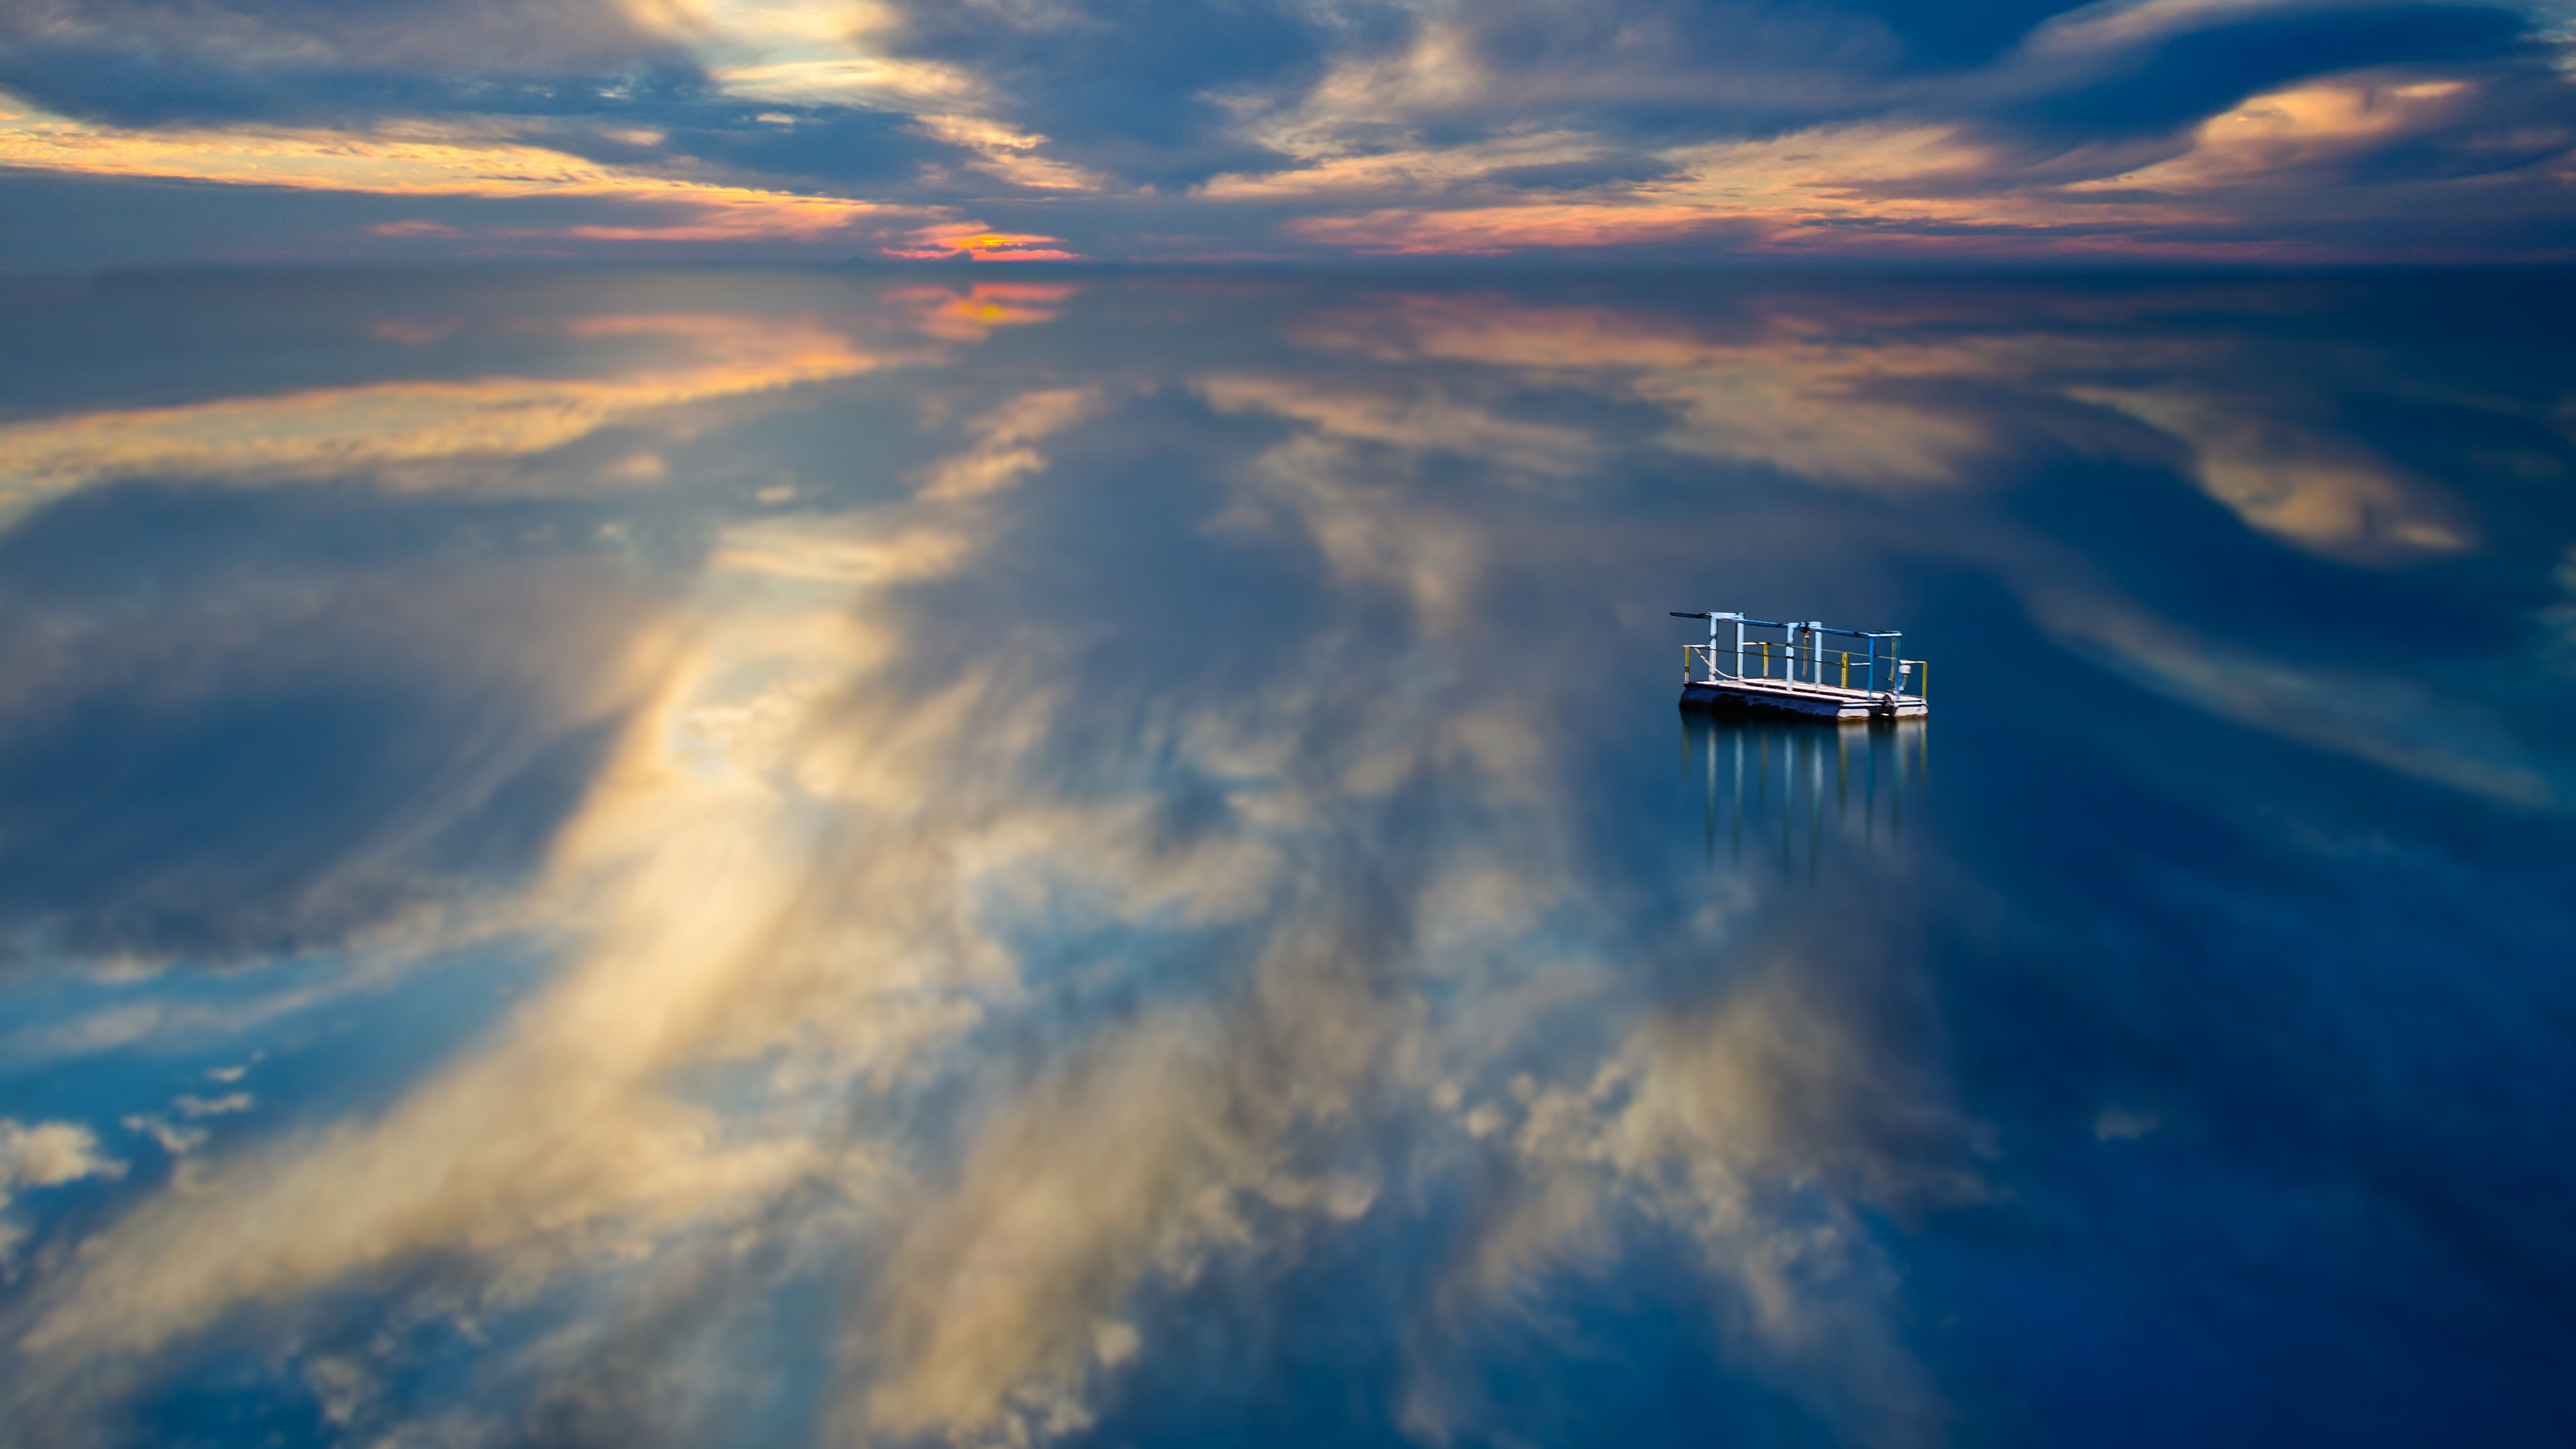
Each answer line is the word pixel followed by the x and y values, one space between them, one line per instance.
pixel 1913 188
pixel 325 429
pixel 1912 185
pixel 973 314
pixel 677 359
pixel 1802 405
pixel 415 226
pixel 468 159
pixel 443 159
pixel 935 242
pixel 1010 155
pixel 2302 126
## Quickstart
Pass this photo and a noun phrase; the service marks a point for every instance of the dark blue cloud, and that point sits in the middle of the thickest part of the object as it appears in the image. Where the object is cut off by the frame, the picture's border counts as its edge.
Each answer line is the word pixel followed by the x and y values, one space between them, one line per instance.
pixel 1539 35
pixel 241 725
pixel 1958 36
pixel 53 222
pixel 823 145
pixel 411 37
pixel 2199 74
pixel 121 81
pixel 130 87
pixel 587 115
pixel 1127 85
pixel 1669 70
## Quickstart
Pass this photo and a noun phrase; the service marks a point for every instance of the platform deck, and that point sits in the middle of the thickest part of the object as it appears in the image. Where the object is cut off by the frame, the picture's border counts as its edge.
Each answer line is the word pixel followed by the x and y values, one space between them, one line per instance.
pixel 1816 701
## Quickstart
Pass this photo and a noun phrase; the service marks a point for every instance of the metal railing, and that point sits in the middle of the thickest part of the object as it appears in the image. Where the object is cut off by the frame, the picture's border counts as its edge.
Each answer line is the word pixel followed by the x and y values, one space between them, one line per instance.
pixel 1791 664
pixel 1794 653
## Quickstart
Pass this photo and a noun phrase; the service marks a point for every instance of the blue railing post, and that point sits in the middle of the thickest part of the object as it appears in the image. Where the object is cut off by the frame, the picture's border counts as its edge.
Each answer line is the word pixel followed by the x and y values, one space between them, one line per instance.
pixel 1803 665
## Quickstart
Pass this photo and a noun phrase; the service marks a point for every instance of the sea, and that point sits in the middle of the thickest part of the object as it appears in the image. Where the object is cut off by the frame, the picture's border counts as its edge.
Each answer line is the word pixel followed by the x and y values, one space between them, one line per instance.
pixel 972 855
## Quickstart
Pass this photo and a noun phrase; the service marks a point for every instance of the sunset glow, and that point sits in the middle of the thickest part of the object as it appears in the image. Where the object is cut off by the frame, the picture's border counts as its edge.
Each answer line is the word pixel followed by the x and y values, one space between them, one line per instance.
pixel 2263 130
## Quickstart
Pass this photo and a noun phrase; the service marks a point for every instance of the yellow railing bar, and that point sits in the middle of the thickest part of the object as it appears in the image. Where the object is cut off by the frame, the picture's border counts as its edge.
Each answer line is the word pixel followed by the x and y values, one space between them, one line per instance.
pixel 1918 671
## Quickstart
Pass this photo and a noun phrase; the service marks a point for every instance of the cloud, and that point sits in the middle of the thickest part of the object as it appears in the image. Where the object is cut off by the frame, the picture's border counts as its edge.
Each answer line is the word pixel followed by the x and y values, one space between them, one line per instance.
pixel 378 748
pixel 326 431
pixel 509 37
pixel 1010 155
pixel 2391 722
pixel 1901 183
pixel 1824 410
pixel 973 950
pixel 205 773
pixel 1414 424
pixel 1936 189
pixel 187 1134
pixel 178 1025
pixel 557 1143
pixel 2323 493
pixel 948 243
pixel 831 861
pixel 2119 1124
pixel 1830 410
pixel 44 1154
pixel 1864 157
pixel 1001 1306
pixel 546 1143
pixel 1756 1129
pixel 422 159
pixel 1804 405
pixel 48 1154
pixel 2177 64
pixel 1420 170
pixel 808 54
pixel 2276 129
pixel 1125 88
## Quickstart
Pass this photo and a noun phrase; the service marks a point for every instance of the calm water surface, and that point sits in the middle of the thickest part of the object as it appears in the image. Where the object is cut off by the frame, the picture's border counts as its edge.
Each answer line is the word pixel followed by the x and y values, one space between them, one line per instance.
pixel 622 858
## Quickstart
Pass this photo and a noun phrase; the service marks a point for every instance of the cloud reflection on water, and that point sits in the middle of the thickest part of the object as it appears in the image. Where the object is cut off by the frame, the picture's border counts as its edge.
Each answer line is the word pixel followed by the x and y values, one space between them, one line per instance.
pixel 1114 822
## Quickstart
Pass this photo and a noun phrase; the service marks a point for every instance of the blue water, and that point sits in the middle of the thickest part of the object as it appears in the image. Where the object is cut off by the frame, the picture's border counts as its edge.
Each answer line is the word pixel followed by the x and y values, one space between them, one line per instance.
pixel 785 857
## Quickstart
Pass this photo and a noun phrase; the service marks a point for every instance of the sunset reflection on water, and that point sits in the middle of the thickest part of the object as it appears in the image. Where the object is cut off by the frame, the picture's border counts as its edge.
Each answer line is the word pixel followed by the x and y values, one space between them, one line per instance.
pixel 776 857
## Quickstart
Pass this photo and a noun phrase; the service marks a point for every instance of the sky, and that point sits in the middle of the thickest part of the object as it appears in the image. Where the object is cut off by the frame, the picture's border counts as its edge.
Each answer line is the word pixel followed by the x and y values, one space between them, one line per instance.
pixel 1647 131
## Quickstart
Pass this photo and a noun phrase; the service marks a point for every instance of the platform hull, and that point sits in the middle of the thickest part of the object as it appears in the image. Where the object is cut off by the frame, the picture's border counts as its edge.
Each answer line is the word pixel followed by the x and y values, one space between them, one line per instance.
pixel 1794 697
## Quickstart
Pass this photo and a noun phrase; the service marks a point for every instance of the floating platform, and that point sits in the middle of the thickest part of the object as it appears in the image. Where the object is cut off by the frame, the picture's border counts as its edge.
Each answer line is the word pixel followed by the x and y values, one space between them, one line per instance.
pixel 1784 667
pixel 1815 701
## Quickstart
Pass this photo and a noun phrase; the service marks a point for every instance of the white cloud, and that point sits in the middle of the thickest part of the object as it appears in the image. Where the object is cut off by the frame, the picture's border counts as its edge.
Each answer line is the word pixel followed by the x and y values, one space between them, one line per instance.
pixel 40 1155
pixel 2322 492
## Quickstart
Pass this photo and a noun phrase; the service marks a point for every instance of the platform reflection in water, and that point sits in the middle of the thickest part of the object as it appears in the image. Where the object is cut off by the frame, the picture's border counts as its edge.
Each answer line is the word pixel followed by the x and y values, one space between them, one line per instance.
pixel 1792 784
